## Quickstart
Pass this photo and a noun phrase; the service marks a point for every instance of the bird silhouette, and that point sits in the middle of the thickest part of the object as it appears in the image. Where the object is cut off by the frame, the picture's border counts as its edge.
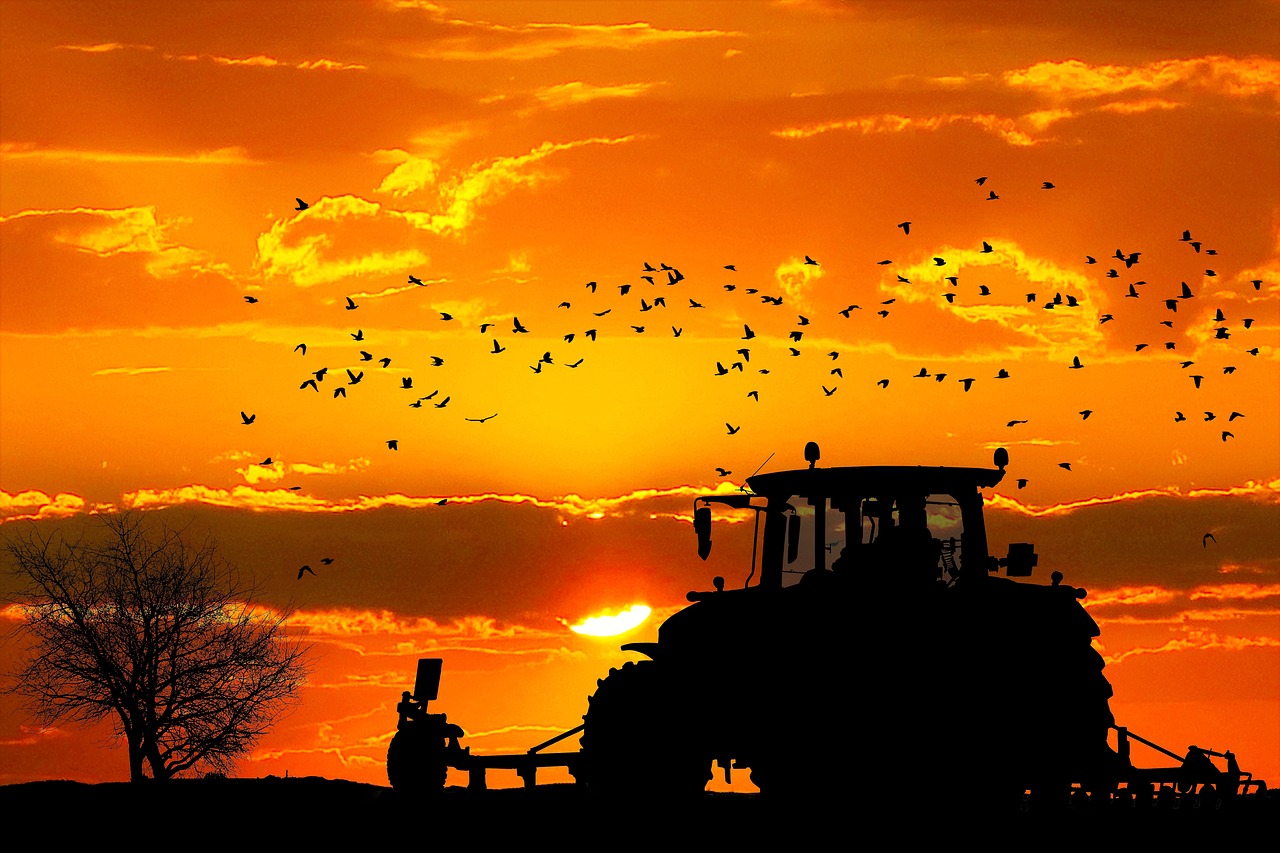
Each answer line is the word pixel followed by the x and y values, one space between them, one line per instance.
pixel 354 378
pixel 312 383
pixel 1075 362
pixel 828 391
pixel 602 313
pixel 366 356
pixel 393 444
pixel 883 383
pixel 1084 414
pixel 1065 465
pixel 1197 379
pixel 326 560
pixel 722 472
pixel 358 335
pixel 436 361
pixel 733 430
pixel 809 260
pixel 442 403
pixel 302 347
pixel 638 329
pixel 1003 374
pixel 266 461
pixel 747 334
pixel 413 279
pixel 305 570
pixel 1178 416
pixel 590 333
pixel 339 392
pixel 1234 415
pixel 905 226
pixel 983 290
pixel 251 299
pixel 980 181
pixel 676 332
pixel 1204 541
pixel 991 196
pixel 755 395
pixel 445 316
pixel 624 289
pixel 536 368
pixel 497 348
pixel 730 268
pixel 302 205
pixel 1208 416
pixel 385 361
pixel 1022 483
pixel 986 248
pixel 1047 185
pixel 1012 423
pixel 247 419
pixel 968 383
pixel 351 305
pixel 406 382
pixel 516 327
pixel 575 364
pixel 482 420
pixel 923 374
pixel 693 304
pixel 1226 435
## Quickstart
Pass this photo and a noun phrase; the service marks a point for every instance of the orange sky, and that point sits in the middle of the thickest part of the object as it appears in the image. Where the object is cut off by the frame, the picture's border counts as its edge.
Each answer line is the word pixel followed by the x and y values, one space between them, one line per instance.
pixel 508 153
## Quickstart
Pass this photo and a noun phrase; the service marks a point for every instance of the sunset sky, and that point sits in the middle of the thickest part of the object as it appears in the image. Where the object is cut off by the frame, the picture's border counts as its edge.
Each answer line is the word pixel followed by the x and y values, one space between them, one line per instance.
pixel 1100 181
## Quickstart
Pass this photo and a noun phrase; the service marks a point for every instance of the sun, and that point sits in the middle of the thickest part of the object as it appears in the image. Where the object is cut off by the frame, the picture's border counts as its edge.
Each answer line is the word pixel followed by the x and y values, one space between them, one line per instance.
pixel 610 624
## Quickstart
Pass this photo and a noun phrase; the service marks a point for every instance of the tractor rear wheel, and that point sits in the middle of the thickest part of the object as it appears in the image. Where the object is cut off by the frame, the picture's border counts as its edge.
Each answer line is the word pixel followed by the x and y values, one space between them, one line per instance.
pixel 416 762
pixel 636 742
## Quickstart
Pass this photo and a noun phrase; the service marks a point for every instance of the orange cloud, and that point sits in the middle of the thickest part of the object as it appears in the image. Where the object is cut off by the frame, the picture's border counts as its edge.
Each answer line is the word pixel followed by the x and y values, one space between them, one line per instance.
pixel 33 505
pixel 1236 77
pixel 482 40
pixel 577 92
pixel 1002 127
pixel 1200 641
pixel 1237 590
pixel 1268 491
pixel 234 155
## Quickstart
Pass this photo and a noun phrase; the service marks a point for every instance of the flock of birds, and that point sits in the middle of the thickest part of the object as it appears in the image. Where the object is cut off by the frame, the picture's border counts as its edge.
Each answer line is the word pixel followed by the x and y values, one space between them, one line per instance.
pixel 740 360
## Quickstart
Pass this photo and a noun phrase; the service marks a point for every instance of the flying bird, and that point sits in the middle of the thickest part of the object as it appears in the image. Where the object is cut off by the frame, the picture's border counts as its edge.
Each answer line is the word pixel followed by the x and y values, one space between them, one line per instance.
pixel 1196 379
pixel 339 392
pixel 366 356
pixel 327 560
pixel 1012 423
pixel 406 382
pixel 393 444
pixel 436 361
pixel 302 347
pixel 1178 417
pixel 413 279
pixel 305 570
pixel 809 260
pixel 354 378
pixel 722 472
pixel 1075 363
pixel 1047 185
pixel 385 361
pixel 991 196
pixel 497 348
pixel 1235 415
pixel 968 383
pixel 358 335
pixel 302 205
pixel 747 334
pixel 351 305
pixel 980 181
pixel 883 383
pixel 1022 483
pixel 676 332
pixel 1084 414
pixel 575 364
pixel 1204 541
pixel 905 226
pixel 1066 465
pixel 442 403
pixel 247 419
pixel 923 374
pixel 312 383
pixel 829 391
pixel 755 395
pixel 733 430
pixel 986 248
pixel 482 420
pixel 1226 435
pixel 516 327
pixel 251 299
pixel 1003 374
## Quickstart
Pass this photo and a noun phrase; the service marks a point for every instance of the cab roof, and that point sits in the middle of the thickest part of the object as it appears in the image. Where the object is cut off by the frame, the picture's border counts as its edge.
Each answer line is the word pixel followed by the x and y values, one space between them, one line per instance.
pixel 871 480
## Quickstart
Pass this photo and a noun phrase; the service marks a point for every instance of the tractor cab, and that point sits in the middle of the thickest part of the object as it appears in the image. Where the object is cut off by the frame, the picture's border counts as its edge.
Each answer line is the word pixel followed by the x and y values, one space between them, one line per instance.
pixel 914 525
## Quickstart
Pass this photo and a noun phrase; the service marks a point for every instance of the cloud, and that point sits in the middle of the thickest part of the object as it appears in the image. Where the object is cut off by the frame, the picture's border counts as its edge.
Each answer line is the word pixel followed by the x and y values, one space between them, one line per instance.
pixel 577 92
pixel 233 155
pixel 1234 77
pixel 33 505
pixel 308 248
pixel 1267 492
pixel 1002 127
pixel 1200 641
pixel 243 497
pixel 130 371
pixel 486 41
pixel 796 279
pixel 109 232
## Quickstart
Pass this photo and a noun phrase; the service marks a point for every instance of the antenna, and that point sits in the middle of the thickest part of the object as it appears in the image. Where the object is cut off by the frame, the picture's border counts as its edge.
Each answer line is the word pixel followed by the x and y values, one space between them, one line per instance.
pixel 743 487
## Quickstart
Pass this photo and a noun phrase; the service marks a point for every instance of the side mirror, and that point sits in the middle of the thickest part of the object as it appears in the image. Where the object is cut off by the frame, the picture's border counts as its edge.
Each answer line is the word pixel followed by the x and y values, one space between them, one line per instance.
pixel 1021 560
pixel 793 538
pixel 702 526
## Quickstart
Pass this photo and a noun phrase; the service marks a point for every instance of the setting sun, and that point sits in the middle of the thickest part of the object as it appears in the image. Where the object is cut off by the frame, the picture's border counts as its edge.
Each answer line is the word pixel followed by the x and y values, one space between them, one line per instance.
pixel 611 624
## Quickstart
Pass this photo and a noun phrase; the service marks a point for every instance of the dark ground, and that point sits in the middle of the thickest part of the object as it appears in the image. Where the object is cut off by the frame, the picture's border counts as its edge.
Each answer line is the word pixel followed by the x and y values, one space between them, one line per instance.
pixel 213 814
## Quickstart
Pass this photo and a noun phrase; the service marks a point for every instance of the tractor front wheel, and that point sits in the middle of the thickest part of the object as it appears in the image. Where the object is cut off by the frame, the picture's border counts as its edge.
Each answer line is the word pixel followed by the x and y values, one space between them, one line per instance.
pixel 416 762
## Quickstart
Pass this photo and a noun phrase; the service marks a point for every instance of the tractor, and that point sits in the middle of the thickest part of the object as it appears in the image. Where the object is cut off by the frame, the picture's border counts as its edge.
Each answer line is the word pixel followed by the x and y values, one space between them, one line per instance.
pixel 874 650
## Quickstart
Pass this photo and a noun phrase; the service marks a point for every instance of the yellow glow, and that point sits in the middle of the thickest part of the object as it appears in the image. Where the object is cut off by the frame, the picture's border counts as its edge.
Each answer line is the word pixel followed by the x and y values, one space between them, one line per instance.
pixel 611 624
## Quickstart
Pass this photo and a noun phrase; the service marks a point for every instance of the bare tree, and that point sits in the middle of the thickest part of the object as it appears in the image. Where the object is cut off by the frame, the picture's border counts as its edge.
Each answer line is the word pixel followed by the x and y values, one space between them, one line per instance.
pixel 160 637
